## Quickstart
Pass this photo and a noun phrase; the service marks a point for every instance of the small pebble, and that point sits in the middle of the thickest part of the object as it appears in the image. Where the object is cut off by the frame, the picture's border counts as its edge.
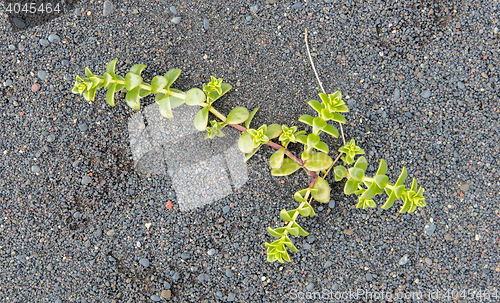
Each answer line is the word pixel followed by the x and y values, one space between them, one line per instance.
pixel 21 47
pixel 254 9
pixel 155 298
pixel 44 42
pixel 426 94
pixel 320 208
pixel 53 38
pixel 211 252
pixel 428 261
pixel 429 228
pixel 166 293
pixel 201 278
pixel 219 294
pixel 226 209
pixel 111 259
pixel 306 246
pixel 51 138
pixel 35 87
pixel 107 8
pixel 86 180
pixel 110 232
pixel 461 85
pixel 310 286
pixel 185 256
pixel 8 82
pixel 331 204
pixel 397 94
pixel 229 273
pixel 65 62
pixel 42 75
pixel 12 47
pixel 206 24
pixel 328 264
pixel 176 20
pixel 297 5
pixel 403 260
pixel 77 215
pixel 35 168
pixel 249 18
pixel 231 297
pixel 173 10
pixel 18 23
pixel 369 277
pixel 144 262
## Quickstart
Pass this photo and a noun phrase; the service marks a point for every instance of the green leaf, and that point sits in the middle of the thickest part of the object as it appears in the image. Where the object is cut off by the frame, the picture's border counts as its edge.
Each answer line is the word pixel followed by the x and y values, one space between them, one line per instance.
pixel 293 230
pixel 331 130
pixel 316 105
pixel 132 98
pixel 307 119
pixel 158 83
pixel 174 101
pixel 319 123
pixel 390 201
pixel 350 186
pixel 312 140
pixel 406 206
pixel 340 172
pixel 165 107
pixel 249 120
pixel 323 190
pixel 273 131
pixel 290 245
pixel 88 73
pixel 402 177
pixel 249 155
pixel 370 192
pixel 201 119
pixel 284 215
pixel 137 69
pixel 110 94
pixel 381 180
pixel 245 143
pixel 277 158
pixel 361 163
pixel 110 69
pixel 289 167
pixel 132 81
pixel 382 167
pixel 171 76
pixel 399 190
pixel 92 93
pixel 225 88
pixel 322 146
pixel 143 92
pixel 371 203
pixel 356 173
pixel 301 139
pixel 195 96
pixel 107 79
pixel 338 117
pixel 298 197
pixel 302 232
pixel 273 233
pixel 237 115
pixel 318 161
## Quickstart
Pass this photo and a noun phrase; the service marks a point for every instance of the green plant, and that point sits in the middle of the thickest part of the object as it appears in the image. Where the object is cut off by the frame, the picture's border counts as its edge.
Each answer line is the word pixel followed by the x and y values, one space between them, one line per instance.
pixel 314 158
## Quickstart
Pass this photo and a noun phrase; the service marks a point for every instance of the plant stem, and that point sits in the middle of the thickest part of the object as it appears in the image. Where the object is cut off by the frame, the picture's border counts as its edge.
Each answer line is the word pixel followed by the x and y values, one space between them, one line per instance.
pixel 295 215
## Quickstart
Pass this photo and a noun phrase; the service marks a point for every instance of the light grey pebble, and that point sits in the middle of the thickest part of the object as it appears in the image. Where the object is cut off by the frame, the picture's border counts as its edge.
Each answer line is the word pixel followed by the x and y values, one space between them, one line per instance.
pixel 83 127
pixel 12 47
pixel 176 20
pixel 86 180
pixel 351 103
pixel 75 163
pixel 51 138
pixel 244 259
pixel 155 298
pixel 77 215
pixel 53 38
pixel 428 261
pixel 331 204
pixel 297 5
pixel 320 208
pixel 8 82
pixel 65 62
pixel 226 209
pixel 211 252
pixel 328 264
pixel 206 23
pixel 77 12
pixel 403 260
pixel 185 256
pixel 254 9
pixel 21 46
pixel 310 286
pixel 166 285
pixel 175 276
pixel 201 278
pixel 369 277
pixel 173 10
pixel 231 297
pixel 35 168
pixel 397 94
pixel 58 301
pixel 311 238
pixel 110 232
pixel 426 94
pixel 144 262
pixel 306 246
pixel 18 23
pixel 44 42
pixel 429 228
pixel 229 273
pixel 111 259
pixel 107 8
pixel 249 18
pixel 384 114
pixel 42 75
pixel 219 294
pixel 461 85
pixel 98 233
pixel 335 287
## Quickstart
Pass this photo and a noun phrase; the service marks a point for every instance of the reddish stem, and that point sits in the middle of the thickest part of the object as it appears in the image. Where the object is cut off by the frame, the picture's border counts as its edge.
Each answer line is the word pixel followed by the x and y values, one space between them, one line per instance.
pixel 287 152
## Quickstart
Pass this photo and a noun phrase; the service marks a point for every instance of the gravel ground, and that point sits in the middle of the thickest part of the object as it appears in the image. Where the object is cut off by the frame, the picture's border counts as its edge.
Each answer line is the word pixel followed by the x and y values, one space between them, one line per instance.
pixel 79 224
